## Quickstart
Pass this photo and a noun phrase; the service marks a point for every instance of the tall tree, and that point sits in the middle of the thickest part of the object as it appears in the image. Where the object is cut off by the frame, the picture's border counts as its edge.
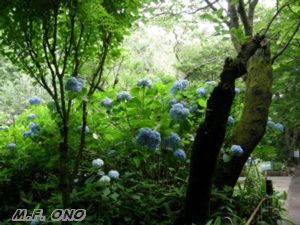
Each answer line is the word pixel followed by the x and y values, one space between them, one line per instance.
pixel 251 127
pixel 55 42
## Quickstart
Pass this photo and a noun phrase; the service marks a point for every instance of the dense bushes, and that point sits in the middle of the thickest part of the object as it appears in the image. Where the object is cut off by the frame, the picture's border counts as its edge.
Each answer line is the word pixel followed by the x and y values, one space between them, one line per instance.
pixel 135 164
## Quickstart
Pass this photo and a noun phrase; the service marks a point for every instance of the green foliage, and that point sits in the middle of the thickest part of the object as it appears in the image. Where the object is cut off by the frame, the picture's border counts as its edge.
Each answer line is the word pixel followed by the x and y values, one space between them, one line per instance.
pixel 154 181
pixel 203 59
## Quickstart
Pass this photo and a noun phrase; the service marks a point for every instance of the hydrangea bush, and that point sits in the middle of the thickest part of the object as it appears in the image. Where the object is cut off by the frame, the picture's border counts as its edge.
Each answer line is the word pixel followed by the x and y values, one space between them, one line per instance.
pixel 118 169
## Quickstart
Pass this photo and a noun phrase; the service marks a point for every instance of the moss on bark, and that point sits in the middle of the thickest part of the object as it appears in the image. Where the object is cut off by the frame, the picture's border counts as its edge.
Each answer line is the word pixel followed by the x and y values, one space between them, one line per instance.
pixel 252 125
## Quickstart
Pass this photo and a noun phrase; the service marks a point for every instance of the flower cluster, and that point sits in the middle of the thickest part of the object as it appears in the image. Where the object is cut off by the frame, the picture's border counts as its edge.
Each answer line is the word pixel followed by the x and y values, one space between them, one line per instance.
pixel 172 141
pixel 180 154
pixel 211 83
pixel 31 116
pixel 113 174
pixel 33 129
pixel 179 112
pixel 104 179
pixel 86 129
pixel 4 128
pixel 124 96
pixel 230 121
pixel 98 163
pixel 192 109
pixel 237 149
pixel 202 92
pixel 74 84
pixel 277 126
pixel 11 146
pixel 106 103
pixel 144 83
pixel 173 102
pixel 111 153
pixel 148 138
pixel 34 100
pixel 179 85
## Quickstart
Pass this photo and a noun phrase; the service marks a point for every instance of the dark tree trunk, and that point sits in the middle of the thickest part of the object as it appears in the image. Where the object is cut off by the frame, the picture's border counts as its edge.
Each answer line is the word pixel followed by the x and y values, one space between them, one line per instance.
pixel 64 180
pixel 210 136
pixel 208 141
pixel 252 125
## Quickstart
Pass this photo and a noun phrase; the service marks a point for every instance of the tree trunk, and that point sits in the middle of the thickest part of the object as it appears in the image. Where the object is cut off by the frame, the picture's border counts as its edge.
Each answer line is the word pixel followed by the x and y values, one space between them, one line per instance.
pixel 210 136
pixel 64 180
pixel 252 125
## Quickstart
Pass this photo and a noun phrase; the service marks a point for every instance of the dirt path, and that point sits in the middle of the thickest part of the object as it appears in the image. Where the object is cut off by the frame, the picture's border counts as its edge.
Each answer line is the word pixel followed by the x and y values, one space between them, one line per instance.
pixel 293 202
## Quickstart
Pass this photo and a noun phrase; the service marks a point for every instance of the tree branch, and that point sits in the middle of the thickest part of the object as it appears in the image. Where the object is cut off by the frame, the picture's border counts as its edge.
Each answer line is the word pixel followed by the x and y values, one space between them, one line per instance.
pixel 274 17
pixel 100 68
pixel 251 10
pixel 244 18
pixel 287 44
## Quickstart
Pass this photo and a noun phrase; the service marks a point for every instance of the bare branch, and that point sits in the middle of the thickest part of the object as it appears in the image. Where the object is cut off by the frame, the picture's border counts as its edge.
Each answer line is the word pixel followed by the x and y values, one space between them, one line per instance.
pixel 244 18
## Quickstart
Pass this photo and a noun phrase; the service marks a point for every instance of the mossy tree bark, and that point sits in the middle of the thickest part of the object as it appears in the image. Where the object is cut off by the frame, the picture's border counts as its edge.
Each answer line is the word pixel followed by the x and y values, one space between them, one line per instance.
pixel 252 125
pixel 210 136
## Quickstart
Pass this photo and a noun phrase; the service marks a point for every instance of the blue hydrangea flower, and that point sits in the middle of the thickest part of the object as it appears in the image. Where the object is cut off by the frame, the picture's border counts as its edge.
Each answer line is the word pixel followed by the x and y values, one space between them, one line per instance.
pixel 27 134
pixel 4 128
pixel 31 116
pixel 279 127
pixel 34 100
pixel 74 84
pixel 201 92
pixel 144 83
pixel 173 102
pixel 237 149
pixel 180 154
pixel 104 179
pixel 98 163
pixel 230 121
pixel 111 153
pixel 178 112
pixel 237 91
pixel 34 129
pixel 148 138
pixel 211 83
pixel 113 174
pixel 271 124
pixel 193 109
pixel 11 146
pixel 178 86
pixel 106 103
pixel 124 96
pixel 86 130
pixel 172 141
